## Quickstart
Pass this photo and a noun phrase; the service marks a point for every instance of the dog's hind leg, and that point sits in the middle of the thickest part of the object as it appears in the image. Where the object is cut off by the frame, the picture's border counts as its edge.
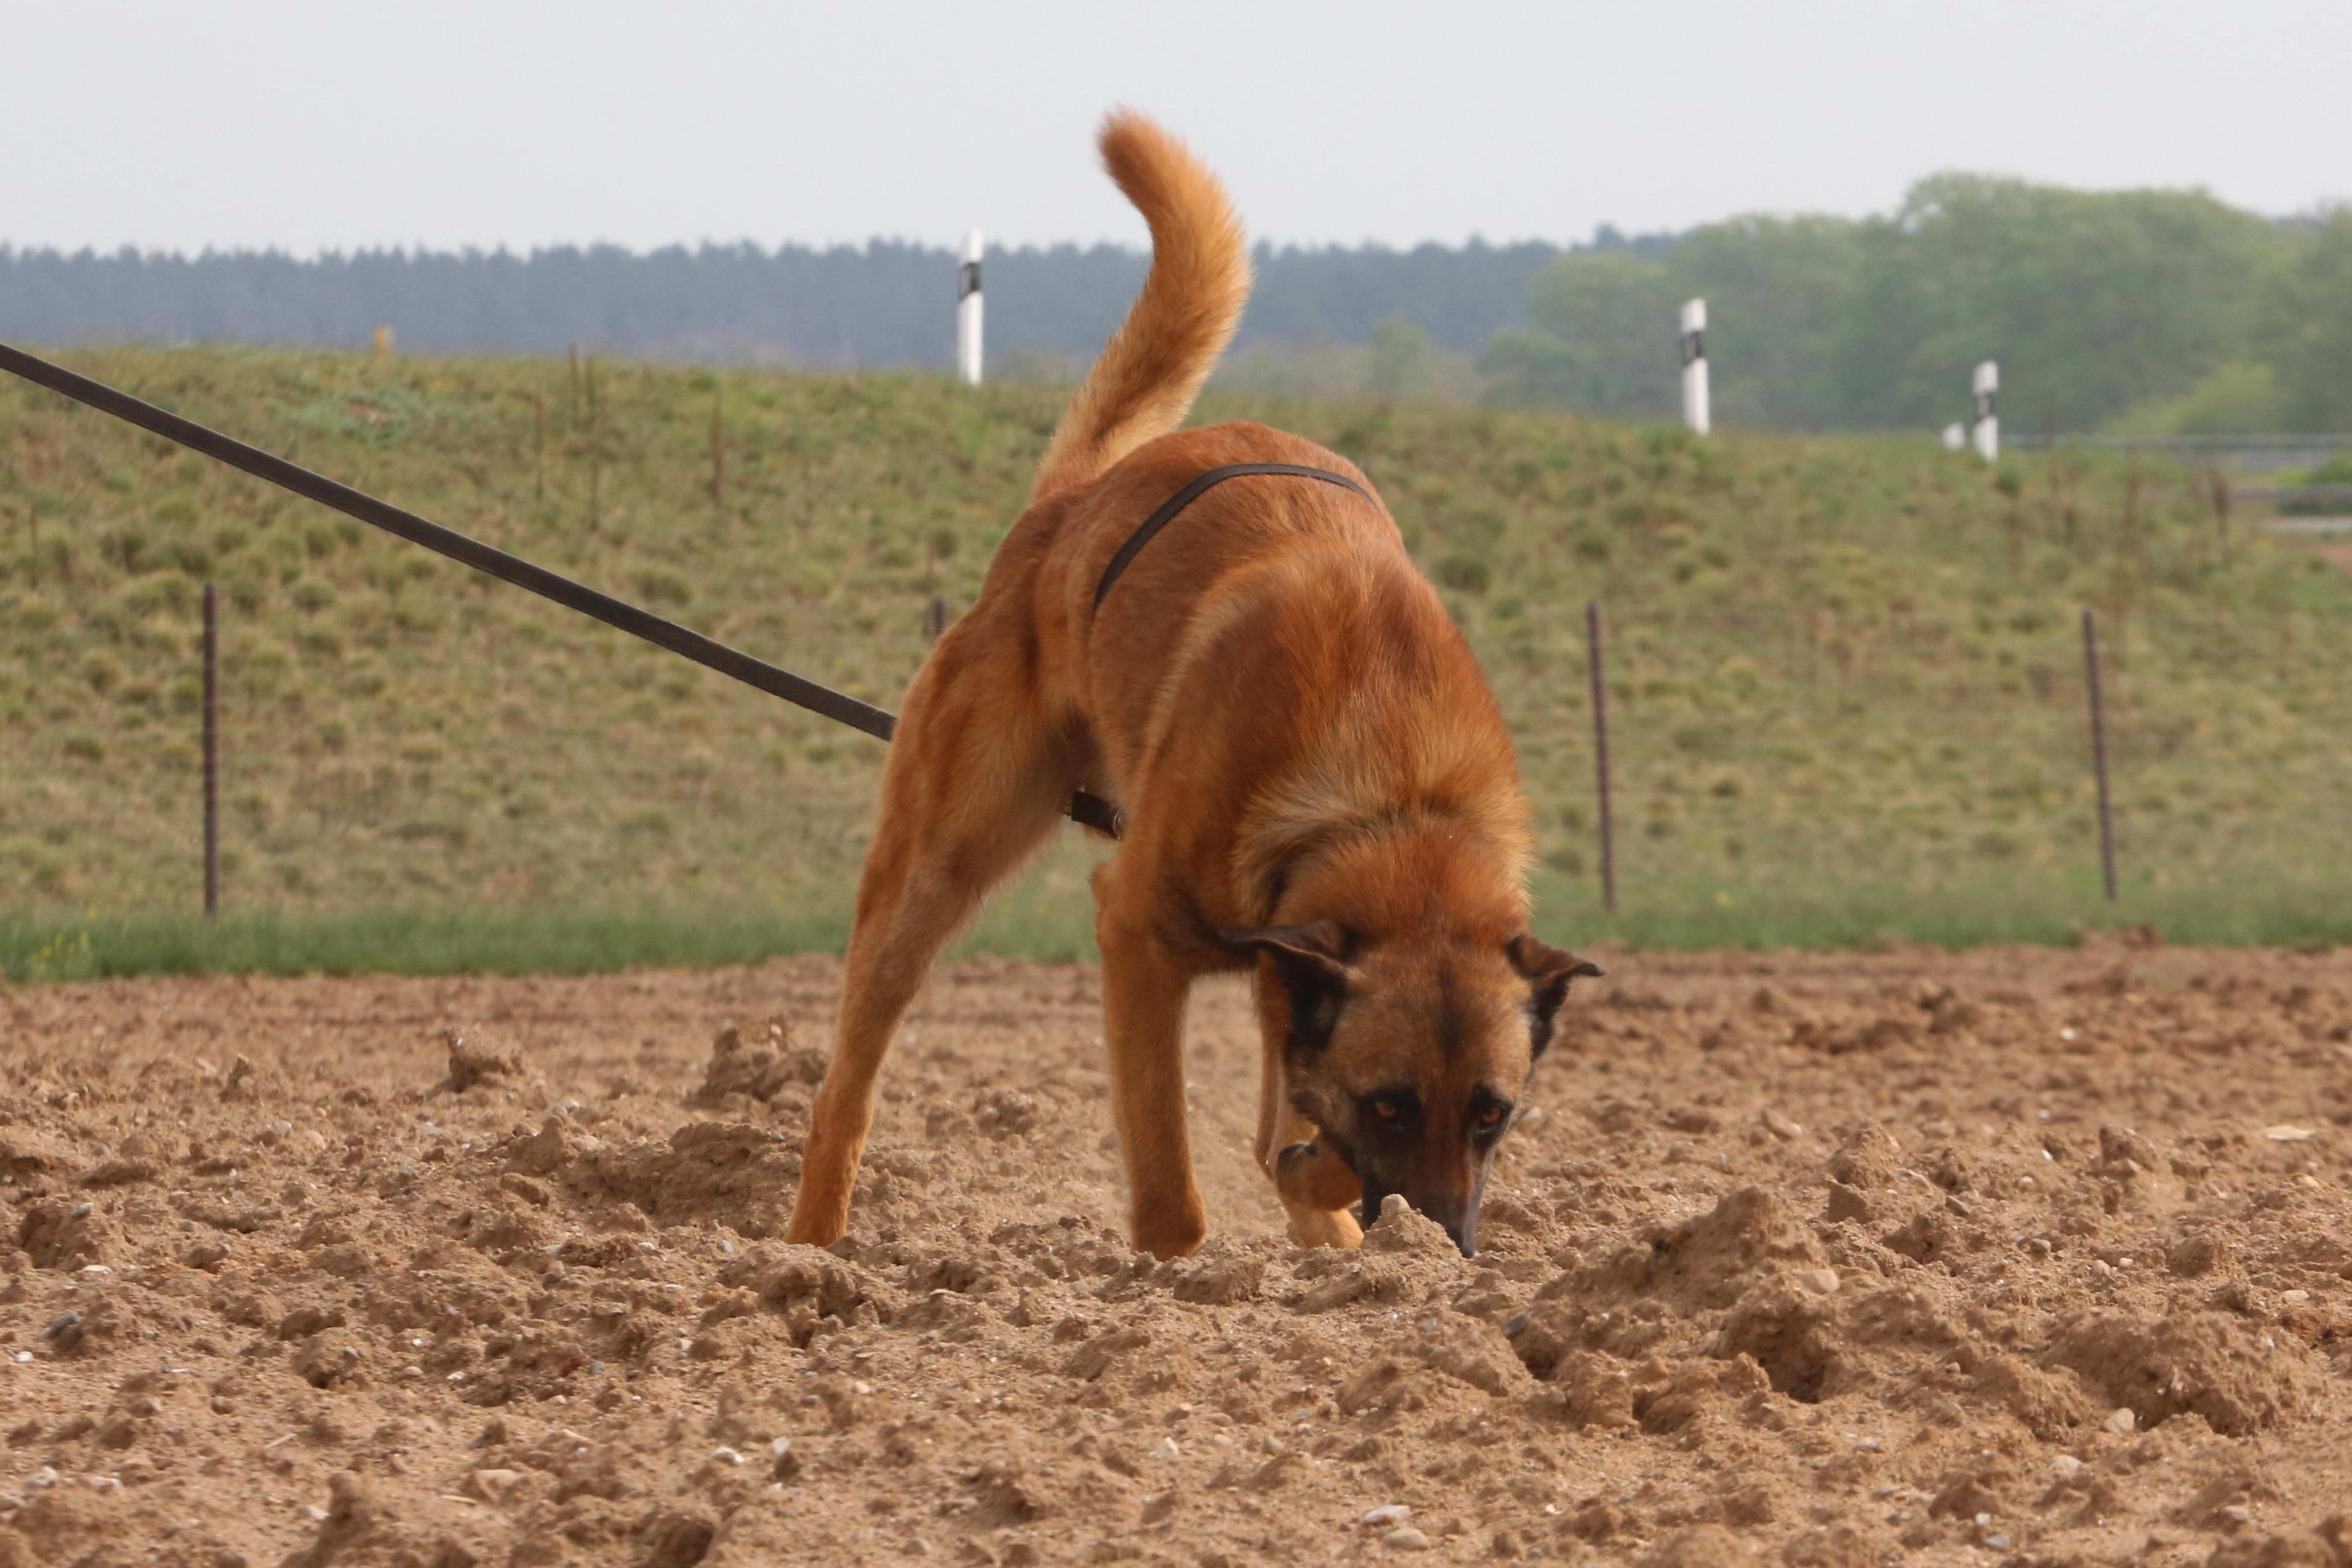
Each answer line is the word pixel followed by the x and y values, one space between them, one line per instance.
pixel 977 777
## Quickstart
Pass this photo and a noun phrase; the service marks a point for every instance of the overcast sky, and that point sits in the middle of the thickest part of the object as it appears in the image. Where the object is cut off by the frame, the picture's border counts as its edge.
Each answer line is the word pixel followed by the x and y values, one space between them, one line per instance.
pixel 243 123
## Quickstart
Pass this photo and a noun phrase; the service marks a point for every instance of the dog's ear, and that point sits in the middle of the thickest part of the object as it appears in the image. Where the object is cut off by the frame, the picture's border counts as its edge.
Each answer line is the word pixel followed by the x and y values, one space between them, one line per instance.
pixel 1312 960
pixel 1547 970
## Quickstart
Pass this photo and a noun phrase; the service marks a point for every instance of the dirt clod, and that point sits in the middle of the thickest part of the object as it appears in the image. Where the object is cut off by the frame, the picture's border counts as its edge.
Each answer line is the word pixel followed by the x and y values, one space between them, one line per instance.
pixel 757 1062
pixel 1401 1230
pixel 471 1062
pixel 2239 1379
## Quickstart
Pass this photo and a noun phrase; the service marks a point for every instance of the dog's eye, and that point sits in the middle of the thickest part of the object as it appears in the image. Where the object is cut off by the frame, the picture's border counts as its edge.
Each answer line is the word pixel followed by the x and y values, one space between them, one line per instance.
pixel 1491 1117
pixel 1386 1109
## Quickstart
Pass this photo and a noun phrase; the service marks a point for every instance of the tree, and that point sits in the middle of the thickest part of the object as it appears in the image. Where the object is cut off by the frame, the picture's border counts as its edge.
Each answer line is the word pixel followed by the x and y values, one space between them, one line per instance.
pixel 2090 301
pixel 2240 398
pixel 2311 329
pixel 1600 336
pixel 1777 289
pixel 1404 359
pixel 1603 326
pixel 2093 302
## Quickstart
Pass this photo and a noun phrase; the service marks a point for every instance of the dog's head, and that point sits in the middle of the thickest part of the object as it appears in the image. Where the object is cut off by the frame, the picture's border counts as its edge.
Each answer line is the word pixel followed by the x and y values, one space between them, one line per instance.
pixel 1411 1056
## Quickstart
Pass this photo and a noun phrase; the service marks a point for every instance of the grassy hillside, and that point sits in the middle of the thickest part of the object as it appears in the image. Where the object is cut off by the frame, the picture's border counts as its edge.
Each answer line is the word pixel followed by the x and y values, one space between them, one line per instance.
pixel 1846 673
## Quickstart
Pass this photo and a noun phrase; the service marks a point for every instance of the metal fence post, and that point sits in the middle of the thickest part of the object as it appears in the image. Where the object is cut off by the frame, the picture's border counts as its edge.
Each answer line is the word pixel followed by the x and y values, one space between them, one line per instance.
pixel 1601 754
pixel 212 752
pixel 2099 752
pixel 717 453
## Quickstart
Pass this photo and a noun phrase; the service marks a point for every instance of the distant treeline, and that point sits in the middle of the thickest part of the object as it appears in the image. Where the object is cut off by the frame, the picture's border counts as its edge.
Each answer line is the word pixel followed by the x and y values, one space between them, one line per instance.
pixel 884 303
pixel 2157 310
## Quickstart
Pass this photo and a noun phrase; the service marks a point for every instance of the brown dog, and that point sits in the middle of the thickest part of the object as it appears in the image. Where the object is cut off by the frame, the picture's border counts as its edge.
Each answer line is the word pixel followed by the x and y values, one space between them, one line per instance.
pixel 1312 772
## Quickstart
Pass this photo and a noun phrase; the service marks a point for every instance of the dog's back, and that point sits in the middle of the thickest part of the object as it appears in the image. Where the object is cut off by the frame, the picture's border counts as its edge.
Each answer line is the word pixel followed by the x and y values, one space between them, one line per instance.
pixel 1262 587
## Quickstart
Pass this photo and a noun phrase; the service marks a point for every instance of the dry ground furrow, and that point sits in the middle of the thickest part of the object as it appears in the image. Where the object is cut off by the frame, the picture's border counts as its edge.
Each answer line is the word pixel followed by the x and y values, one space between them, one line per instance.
pixel 2018 1256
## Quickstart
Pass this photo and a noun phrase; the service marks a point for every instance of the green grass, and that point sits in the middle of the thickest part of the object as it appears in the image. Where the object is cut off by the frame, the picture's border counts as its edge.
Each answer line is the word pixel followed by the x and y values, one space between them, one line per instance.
pixel 1030 921
pixel 489 941
pixel 1846 673
pixel 1861 912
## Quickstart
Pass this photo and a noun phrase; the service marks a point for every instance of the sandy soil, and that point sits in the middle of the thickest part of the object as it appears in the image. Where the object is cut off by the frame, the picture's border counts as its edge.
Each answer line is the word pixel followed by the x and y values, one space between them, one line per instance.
pixel 2021 1257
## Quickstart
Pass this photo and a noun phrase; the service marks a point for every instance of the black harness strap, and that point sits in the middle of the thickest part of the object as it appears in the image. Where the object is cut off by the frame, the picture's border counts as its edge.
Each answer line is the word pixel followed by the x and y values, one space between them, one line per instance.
pixel 1192 492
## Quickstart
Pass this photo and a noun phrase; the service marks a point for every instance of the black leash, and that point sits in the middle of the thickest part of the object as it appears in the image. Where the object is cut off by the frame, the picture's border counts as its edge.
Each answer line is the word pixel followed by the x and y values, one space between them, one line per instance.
pixel 1092 810
pixel 1191 492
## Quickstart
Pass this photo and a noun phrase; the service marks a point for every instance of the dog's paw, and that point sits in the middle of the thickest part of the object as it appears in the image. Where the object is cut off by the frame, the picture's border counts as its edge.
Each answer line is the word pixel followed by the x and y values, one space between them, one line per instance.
pixel 1326 1228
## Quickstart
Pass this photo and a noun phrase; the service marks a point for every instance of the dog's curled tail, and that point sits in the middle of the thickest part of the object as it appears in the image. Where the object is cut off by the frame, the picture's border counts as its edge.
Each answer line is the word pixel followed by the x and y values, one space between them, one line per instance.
pixel 1154 364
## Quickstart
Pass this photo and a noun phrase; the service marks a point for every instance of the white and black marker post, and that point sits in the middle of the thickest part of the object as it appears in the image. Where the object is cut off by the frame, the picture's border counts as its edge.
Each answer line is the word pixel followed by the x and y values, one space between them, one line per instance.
pixel 1694 402
pixel 1988 384
pixel 968 312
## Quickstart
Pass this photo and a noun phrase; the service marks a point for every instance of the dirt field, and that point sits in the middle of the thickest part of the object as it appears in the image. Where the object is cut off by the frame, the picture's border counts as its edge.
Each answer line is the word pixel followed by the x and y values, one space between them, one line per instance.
pixel 2022 1256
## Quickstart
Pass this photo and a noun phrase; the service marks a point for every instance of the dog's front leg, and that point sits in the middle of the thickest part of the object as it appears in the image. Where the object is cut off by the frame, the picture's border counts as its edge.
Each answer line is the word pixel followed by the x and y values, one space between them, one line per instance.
pixel 1144 989
pixel 1313 1179
pixel 1318 1187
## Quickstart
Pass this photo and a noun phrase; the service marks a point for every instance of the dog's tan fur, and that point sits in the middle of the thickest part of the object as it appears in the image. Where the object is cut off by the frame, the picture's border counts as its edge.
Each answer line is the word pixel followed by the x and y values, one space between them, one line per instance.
pixel 1313 773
